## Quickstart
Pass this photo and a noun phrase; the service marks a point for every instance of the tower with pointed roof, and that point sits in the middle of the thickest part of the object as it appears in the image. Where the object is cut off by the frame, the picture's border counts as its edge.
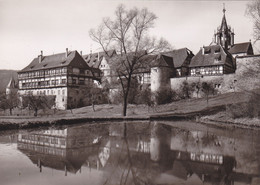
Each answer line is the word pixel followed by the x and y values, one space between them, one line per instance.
pixel 224 35
pixel 11 88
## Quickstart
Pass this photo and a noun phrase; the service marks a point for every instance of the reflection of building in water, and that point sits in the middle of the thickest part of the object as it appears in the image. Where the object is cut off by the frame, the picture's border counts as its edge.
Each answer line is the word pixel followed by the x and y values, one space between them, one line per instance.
pixel 61 149
pixel 216 156
pixel 150 150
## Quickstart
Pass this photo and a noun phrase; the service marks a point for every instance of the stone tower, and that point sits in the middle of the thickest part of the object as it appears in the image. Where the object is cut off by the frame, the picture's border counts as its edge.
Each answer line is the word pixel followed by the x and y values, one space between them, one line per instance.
pixel 224 35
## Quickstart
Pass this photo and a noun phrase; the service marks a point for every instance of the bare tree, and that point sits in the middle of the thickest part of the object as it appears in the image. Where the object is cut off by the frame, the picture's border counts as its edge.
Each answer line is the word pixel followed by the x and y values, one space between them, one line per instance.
pixel 253 11
pixel 128 34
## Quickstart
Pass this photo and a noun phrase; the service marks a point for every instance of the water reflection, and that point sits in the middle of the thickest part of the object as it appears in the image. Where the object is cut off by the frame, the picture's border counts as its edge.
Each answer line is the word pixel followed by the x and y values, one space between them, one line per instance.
pixel 146 153
pixel 62 149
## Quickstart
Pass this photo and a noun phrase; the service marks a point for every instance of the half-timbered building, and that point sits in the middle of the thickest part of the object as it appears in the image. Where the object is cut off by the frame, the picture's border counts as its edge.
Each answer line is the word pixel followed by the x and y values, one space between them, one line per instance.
pixel 212 60
pixel 65 76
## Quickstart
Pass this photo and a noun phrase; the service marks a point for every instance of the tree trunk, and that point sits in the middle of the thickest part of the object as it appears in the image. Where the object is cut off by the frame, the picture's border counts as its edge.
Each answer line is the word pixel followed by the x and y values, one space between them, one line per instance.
pixel 93 106
pixel 126 95
pixel 125 105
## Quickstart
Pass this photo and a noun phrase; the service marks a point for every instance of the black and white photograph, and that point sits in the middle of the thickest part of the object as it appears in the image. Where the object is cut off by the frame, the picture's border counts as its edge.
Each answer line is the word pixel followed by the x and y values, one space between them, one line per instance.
pixel 129 92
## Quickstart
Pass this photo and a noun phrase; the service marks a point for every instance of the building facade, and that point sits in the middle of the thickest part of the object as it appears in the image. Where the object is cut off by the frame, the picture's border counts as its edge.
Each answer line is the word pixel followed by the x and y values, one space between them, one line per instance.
pixel 65 76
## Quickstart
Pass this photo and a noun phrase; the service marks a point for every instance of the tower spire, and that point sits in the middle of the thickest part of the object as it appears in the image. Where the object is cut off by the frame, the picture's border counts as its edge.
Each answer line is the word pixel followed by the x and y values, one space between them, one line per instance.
pixel 224 35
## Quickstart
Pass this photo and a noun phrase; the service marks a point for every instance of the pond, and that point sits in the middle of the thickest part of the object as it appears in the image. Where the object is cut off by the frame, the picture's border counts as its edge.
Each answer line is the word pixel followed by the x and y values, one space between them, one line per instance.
pixel 130 153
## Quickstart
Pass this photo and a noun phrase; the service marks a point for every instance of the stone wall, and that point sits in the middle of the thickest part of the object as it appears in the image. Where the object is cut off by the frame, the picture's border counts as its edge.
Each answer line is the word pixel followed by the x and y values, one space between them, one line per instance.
pixel 246 77
pixel 248 72
pixel 222 83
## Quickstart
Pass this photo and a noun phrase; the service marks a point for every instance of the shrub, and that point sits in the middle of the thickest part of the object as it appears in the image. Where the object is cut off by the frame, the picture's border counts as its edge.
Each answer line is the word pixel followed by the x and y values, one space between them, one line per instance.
pixel 144 96
pixel 165 95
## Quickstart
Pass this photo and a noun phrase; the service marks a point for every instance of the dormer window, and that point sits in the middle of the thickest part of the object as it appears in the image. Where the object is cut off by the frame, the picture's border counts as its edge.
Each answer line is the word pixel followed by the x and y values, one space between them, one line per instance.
pixel 45 65
pixel 63 62
pixel 32 67
pixel 207 50
pixel 217 50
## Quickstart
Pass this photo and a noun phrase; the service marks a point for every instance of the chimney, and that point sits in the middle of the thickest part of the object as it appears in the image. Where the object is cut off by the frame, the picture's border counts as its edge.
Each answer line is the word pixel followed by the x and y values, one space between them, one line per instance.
pixel 203 50
pixel 40 57
pixel 98 56
pixel 67 52
pixel 81 53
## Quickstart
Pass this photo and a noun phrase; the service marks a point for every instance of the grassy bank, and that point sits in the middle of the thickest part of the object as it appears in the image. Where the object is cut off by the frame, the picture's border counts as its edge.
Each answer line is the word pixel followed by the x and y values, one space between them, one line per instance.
pixel 214 110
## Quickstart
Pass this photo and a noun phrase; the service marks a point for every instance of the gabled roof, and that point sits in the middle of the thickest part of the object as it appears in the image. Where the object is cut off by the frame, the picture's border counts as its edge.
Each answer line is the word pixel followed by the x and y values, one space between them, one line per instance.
pixel 245 47
pixel 179 56
pixel 214 55
pixel 56 60
pixel 94 59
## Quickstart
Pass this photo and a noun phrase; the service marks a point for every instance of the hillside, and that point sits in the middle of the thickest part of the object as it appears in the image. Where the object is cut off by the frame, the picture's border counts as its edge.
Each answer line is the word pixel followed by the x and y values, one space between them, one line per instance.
pixel 5 76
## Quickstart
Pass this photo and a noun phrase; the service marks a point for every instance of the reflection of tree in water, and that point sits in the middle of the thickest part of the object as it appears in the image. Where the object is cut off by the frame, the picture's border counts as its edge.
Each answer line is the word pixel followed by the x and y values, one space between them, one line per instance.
pixel 133 162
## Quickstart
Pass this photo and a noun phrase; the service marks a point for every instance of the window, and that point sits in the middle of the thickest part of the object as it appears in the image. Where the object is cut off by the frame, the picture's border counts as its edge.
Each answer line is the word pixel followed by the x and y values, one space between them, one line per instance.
pixel 74 81
pixel 64 70
pixel 192 72
pixel 75 70
pixel 58 92
pixel 63 92
pixel 63 81
pixel 202 70
pixel 217 50
pixel 207 51
pixel 178 72
pixel 58 71
pixel 81 71
pixel 81 82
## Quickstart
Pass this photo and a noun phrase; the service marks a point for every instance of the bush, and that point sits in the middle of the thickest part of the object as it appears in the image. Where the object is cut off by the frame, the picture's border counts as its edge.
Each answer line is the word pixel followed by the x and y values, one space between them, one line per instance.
pixel 249 109
pixel 165 95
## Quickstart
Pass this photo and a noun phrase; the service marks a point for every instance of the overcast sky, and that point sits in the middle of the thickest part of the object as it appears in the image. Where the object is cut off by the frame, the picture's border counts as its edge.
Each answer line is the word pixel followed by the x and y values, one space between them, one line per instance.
pixel 29 26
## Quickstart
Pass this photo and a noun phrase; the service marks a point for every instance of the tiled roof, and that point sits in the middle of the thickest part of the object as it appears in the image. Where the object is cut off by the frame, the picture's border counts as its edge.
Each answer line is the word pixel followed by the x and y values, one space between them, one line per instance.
pixel 245 47
pixel 162 61
pixel 179 56
pixel 214 55
pixel 56 60
pixel 94 59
